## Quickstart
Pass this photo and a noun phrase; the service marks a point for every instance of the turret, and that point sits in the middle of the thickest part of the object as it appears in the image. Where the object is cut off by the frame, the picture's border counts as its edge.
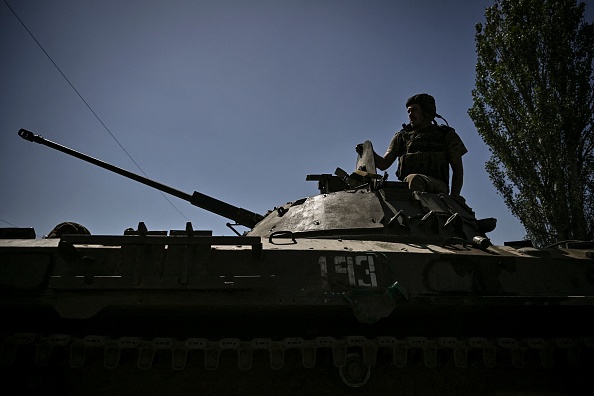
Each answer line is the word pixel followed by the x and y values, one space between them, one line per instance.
pixel 360 205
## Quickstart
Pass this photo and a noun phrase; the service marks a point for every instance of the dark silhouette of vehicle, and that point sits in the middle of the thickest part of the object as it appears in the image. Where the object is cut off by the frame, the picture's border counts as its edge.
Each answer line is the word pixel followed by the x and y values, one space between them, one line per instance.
pixel 366 287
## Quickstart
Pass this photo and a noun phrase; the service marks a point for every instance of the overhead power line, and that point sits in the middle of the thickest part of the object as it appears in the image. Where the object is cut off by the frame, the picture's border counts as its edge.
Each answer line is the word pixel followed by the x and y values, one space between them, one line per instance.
pixel 10 224
pixel 85 102
pixel 15 226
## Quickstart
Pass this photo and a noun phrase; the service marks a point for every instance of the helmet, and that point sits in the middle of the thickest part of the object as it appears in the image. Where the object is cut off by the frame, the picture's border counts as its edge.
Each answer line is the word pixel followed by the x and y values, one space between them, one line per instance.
pixel 425 101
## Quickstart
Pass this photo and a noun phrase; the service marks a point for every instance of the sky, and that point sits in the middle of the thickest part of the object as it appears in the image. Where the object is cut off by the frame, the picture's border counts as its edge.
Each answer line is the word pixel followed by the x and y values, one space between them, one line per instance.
pixel 239 100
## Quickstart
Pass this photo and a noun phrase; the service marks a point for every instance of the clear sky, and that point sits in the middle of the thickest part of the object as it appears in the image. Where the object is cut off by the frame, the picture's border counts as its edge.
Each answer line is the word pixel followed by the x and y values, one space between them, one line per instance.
pixel 239 100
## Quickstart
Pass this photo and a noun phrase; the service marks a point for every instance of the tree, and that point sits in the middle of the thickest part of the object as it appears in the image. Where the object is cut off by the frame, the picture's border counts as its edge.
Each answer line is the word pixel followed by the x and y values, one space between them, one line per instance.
pixel 533 105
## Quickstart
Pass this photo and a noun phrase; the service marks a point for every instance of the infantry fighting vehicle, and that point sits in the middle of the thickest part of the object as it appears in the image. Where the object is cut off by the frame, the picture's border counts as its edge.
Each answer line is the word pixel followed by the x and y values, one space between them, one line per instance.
pixel 366 287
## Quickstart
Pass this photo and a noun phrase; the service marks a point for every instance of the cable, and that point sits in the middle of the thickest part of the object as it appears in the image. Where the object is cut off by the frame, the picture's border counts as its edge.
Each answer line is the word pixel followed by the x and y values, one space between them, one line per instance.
pixel 15 226
pixel 88 106
pixel 10 224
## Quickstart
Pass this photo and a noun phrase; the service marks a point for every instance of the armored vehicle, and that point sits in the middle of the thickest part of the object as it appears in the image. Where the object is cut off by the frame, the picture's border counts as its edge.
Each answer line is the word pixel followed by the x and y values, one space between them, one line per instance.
pixel 366 287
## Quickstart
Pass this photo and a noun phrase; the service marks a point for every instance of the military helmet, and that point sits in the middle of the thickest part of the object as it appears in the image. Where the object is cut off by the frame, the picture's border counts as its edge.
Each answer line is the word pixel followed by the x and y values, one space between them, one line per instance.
pixel 426 102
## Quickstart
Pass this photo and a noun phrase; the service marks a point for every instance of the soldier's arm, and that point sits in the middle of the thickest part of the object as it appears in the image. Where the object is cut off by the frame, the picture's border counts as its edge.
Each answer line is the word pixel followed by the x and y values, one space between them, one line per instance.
pixel 457 175
pixel 383 163
pixel 393 151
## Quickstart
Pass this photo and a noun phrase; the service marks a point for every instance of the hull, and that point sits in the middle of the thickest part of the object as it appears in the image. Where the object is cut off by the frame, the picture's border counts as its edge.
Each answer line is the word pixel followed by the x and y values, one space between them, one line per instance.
pixel 225 315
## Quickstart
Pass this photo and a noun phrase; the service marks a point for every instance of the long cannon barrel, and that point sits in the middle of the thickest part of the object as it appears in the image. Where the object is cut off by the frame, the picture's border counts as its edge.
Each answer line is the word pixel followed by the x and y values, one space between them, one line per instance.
pixel 239 215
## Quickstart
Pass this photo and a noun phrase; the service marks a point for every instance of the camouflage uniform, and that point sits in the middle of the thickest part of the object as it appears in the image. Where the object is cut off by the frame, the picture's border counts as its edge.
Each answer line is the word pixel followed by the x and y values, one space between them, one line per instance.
pixel 427 152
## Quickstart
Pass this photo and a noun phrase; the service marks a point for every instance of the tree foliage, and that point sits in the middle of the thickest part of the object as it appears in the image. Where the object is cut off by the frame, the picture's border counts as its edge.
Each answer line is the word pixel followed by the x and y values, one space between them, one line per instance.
pixel 533 107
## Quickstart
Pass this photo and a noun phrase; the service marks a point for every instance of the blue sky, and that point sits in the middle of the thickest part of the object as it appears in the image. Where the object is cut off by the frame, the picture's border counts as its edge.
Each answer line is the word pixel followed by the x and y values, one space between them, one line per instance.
pixel 239 100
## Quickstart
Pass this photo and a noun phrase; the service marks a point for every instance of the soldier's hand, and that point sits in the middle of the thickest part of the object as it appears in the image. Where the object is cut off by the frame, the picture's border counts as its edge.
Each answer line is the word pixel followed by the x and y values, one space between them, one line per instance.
pixel 359 148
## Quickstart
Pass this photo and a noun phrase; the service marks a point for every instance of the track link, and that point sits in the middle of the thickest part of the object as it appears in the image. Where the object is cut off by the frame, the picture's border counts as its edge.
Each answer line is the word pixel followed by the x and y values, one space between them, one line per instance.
pixel 490 350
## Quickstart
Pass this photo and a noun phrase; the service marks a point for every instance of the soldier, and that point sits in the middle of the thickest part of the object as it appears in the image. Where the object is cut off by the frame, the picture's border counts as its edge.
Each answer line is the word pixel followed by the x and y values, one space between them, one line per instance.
pixel 425 150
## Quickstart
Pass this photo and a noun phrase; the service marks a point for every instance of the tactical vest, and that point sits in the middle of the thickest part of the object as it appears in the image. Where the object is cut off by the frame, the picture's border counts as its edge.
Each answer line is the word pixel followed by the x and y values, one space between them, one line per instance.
pixel 426 153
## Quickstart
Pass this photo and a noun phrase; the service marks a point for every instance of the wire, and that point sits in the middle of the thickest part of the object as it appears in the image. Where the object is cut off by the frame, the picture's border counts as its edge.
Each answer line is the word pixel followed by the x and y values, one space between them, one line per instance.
pixel 10 224
pixel 15 226
pixel 88 106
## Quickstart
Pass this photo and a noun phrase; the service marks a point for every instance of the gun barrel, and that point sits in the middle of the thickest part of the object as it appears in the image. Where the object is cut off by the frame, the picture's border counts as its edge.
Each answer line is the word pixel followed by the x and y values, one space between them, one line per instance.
pixel 239 215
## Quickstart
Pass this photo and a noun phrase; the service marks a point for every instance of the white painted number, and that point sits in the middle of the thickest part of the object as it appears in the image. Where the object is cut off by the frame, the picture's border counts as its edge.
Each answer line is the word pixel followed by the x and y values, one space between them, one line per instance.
pixel 354 268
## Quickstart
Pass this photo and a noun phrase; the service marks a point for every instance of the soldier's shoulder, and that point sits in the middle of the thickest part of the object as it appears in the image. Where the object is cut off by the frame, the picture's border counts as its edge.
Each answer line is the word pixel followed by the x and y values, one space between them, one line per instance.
pixel 449 132
pixel 446 128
